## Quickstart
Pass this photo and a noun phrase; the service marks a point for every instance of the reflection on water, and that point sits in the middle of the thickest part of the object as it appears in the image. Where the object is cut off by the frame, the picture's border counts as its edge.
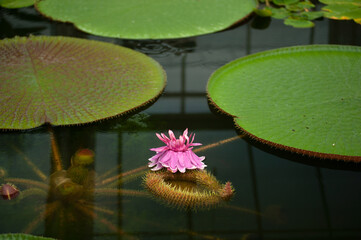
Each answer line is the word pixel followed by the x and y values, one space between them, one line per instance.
pixel 277 196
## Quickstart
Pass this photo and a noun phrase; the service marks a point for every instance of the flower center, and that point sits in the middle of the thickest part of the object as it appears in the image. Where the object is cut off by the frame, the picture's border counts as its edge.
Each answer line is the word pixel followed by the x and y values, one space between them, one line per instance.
pixel 178 146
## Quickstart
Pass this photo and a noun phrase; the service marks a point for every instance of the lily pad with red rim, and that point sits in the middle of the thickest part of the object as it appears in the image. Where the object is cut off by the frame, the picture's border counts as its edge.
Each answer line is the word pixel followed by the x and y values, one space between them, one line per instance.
pixel 62 80
pixel 148 19
pixel 305 99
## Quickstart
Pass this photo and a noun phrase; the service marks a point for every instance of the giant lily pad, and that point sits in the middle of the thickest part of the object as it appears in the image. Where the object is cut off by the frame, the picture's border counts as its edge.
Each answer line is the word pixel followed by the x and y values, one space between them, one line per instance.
pixel 148 19
pixel 305 99
pixel 61 80
pixel 16 3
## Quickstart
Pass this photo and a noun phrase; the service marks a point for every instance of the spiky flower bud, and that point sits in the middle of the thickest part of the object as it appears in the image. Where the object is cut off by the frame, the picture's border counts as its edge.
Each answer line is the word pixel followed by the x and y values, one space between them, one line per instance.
pixel 8 191
pixel 83 157
pixel 227 191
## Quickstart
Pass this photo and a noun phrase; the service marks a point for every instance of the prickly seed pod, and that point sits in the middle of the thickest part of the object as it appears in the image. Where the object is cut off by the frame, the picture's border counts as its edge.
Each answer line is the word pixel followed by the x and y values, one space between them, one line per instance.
pixel 194 189
pixel 78 174
pixel 227 191
pixel 83 157
pixel 63 187
pixel 8 191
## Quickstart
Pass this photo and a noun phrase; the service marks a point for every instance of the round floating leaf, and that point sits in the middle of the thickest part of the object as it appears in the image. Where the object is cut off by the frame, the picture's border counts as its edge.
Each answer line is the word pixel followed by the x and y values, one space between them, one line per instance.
pixel 61 80
pixel 298 23
pixel 19 236
pixel 148 19
pixel 305 99
pixel 16 3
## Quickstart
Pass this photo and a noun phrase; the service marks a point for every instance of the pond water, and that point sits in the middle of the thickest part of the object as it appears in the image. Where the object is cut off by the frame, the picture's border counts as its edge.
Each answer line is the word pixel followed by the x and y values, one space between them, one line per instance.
pixel 278 195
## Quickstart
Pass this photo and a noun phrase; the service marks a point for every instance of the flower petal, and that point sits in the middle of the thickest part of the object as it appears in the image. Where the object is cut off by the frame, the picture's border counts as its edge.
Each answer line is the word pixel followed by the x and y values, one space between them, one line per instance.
pixel 159 149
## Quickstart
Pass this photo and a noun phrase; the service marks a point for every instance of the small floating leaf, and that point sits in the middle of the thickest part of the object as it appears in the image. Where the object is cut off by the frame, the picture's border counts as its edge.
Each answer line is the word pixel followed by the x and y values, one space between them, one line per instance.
pixel 298 23
pixel 63 80
pixel 305 99
pixel 16 3
pixel 342 9
pixel 148 19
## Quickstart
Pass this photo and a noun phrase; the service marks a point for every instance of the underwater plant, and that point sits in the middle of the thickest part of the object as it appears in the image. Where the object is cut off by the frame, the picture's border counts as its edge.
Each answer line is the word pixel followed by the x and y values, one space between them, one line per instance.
pixel 192 189
pixel 70 192
pixel 8 191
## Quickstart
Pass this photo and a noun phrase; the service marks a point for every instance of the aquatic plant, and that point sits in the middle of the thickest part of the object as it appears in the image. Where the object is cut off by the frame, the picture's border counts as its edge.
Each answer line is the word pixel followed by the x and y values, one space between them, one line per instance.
pixel 177 155
pixel 62 80
pixel 303 100
pixel 301 13
pixel 144 19
pixel 16 3
pixel 8 191
pixel 71 191
pixel 192 190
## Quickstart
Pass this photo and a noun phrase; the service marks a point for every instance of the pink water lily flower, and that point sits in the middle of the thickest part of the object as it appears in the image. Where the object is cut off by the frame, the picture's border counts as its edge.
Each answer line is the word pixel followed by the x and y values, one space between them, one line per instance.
pixel 177 155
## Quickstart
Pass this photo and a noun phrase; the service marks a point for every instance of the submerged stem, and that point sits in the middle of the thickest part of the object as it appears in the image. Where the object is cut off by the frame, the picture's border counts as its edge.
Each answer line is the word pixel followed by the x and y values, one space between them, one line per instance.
pixel 33 167
pixel 28 182
pixel 104 221
pixel 111 191
pixel 55 149
pixel 216 144
pixel 50 209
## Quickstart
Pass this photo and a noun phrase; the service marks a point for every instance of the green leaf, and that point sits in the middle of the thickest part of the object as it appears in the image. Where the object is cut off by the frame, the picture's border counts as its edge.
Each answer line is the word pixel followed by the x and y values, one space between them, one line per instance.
pixel 284 2
pixel 343 11
pixel 266 12
pixel 279 13
pixel 312 15
pixel 356 2
pixel 298 23
pixel 19 236
pixel 305 99
pixel 61 80
pixel 145 19
pixel 16 3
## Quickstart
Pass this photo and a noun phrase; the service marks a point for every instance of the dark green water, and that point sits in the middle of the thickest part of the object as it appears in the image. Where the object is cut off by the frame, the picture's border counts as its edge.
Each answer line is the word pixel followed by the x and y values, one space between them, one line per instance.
pixel 278 195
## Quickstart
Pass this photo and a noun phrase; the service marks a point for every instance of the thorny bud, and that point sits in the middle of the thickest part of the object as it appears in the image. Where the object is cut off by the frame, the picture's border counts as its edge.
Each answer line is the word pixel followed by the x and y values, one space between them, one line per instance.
pixel 227 191
pixel 83 157
pixel 8 191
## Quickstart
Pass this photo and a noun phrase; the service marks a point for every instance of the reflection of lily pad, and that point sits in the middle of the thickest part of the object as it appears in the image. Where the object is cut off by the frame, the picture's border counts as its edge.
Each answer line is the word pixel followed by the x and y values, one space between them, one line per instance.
pixel 305 99
pixel 148 19
pixel 63 80
pixel 16 3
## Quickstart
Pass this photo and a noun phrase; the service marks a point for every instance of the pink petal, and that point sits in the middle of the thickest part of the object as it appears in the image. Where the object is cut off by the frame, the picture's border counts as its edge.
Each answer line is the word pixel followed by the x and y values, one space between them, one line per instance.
pixel 158 167
pixel 159 149
pixel 181 159
pixel 171 135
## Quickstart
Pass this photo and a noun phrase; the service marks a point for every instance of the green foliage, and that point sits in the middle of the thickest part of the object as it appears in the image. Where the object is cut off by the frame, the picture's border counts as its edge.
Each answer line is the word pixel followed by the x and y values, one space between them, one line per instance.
pixel 343 9
pixel 61 80
pixel 145 19
pixel 19 236
pixel 16 3
pixel 305 99
pixel 301 13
